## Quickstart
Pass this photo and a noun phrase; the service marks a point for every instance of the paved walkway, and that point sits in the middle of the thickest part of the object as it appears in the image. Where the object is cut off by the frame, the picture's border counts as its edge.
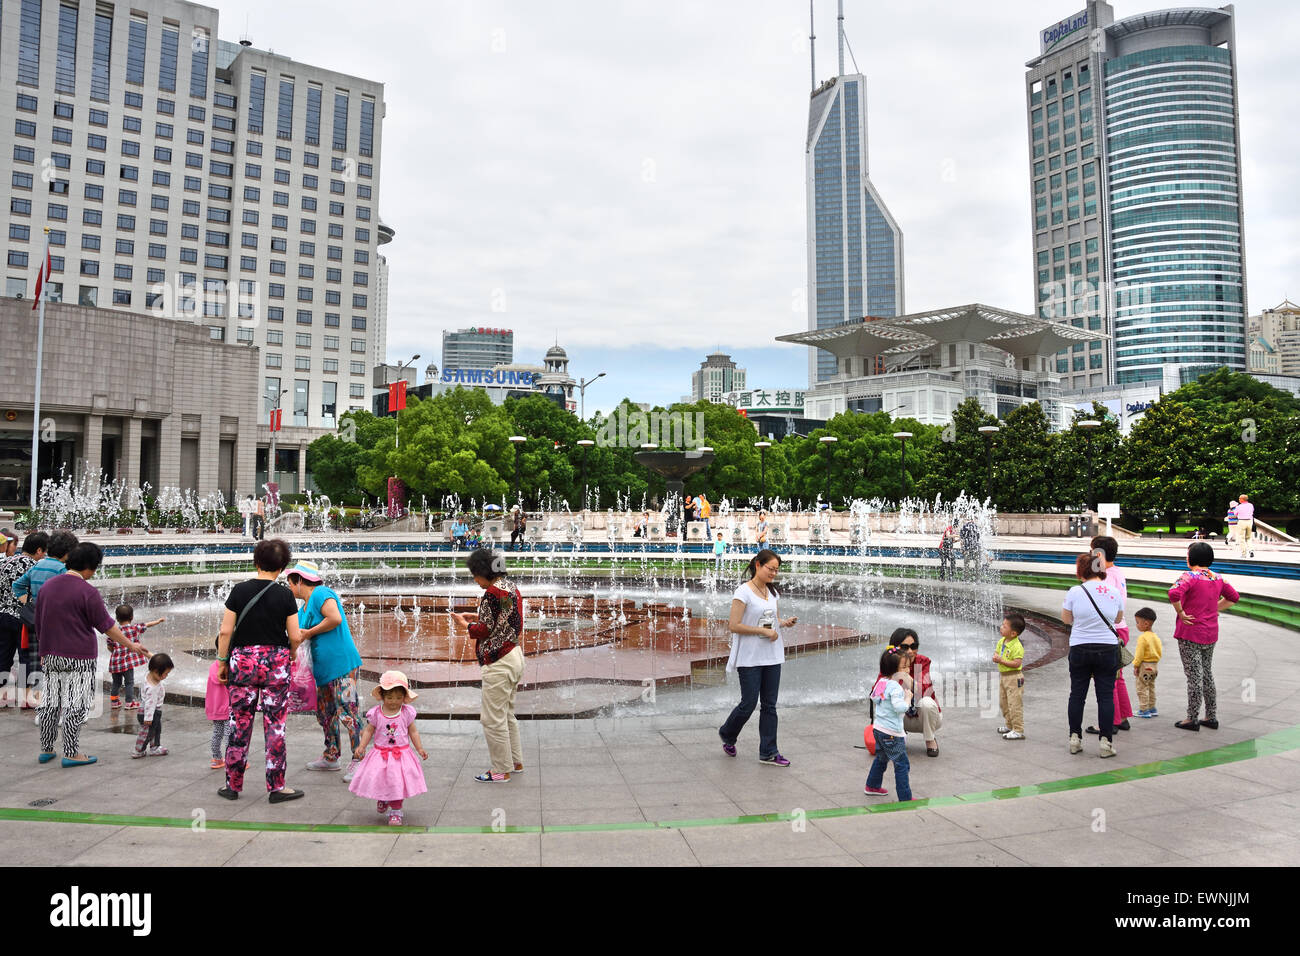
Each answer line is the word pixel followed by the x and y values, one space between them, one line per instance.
pixel 660 791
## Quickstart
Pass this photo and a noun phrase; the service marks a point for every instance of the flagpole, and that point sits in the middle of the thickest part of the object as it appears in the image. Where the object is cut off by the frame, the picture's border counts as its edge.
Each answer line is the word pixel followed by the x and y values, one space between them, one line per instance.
pixel 43 275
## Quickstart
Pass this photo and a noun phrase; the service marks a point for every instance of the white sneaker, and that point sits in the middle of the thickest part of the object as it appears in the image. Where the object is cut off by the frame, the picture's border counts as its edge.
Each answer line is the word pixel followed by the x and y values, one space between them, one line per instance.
pixel 323 764
pixel 352 768
pixel 1013 735
pixel 1076 744
pixel 1107 748
pixel 1004 730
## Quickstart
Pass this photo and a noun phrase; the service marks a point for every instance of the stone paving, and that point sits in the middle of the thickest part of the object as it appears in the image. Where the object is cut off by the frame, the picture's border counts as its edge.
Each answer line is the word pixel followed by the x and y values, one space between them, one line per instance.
pixel 630 773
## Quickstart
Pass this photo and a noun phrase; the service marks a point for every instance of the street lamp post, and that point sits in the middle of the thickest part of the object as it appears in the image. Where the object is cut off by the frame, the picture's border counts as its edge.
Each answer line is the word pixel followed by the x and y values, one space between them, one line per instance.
pixel 518 441
pixel 989 431
pixel 827 441
pixel 582 394
pixel 270 464
pixel 762 447
pixel 586 444
pixel 1088 424
pixel 396 418
pixel 903 437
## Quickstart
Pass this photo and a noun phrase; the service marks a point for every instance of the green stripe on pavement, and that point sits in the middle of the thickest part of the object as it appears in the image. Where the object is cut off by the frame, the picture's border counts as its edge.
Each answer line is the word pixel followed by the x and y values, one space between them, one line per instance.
pixel 1280 741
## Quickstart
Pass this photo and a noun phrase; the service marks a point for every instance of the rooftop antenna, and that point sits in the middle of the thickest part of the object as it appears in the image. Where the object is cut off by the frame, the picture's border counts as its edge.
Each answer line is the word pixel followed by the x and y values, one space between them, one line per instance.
pixel 812 44
pixel 841 32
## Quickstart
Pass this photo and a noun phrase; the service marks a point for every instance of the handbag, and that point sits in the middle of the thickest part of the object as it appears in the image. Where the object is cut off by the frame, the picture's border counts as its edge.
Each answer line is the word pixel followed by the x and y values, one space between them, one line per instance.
pixel 302 685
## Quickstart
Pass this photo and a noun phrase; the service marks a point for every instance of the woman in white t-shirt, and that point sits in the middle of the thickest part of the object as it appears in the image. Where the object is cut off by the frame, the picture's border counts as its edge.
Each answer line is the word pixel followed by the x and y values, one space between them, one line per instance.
pixel 1092 609
pixel 757 653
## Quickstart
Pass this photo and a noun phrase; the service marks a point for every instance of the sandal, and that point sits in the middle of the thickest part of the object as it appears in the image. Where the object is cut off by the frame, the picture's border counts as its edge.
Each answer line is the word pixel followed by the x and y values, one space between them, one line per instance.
pixel 932 750
pixel 487 776
pixel 1187 725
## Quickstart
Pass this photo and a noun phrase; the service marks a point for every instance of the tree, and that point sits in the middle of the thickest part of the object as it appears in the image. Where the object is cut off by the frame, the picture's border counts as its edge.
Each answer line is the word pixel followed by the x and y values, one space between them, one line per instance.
pixel 336 462
pixel 1067 472
pixel 957 463
pixel 1021 452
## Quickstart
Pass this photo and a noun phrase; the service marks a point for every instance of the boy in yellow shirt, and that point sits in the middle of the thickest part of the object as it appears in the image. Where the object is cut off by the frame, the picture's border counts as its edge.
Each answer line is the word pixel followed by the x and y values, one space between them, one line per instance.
pixel 1146 655
pixel 1009 655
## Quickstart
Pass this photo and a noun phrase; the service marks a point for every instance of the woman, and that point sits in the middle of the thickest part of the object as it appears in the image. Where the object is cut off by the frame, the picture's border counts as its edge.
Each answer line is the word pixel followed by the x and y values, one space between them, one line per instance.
pixel 70 614
pixel 334 662
pixel 757 653
pixel 519 527
pixel 1198 597
pixel 923 716
pixel 760 531
pixel 1092 609
pixel 259 636
pixel 497 630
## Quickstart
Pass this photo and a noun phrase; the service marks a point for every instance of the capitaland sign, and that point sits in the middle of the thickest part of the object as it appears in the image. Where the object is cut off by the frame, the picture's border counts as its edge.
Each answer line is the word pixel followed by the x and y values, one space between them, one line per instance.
pixel 1066 29
pixel 487 376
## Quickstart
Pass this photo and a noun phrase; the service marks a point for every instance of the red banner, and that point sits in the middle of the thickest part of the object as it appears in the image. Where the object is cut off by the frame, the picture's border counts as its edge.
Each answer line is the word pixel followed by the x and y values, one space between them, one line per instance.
pixel 277 417
pixel 397 396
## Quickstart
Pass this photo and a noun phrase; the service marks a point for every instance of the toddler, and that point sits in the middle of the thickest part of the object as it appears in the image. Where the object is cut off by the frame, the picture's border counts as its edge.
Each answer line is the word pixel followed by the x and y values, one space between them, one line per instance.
pixel 1009 655
pixel 122 662
pixel 719 549
pixel 216 706
pixel 892 697
pixel 1145 658
pixel 390 773
pixel 149 741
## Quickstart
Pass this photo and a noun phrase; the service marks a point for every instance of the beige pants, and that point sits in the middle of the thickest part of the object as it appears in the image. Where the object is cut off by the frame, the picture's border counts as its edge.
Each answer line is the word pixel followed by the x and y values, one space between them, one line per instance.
pixel 497 711
pixel 1244 530
pixel 1012 698
pixel 1146 685
pixel 927 720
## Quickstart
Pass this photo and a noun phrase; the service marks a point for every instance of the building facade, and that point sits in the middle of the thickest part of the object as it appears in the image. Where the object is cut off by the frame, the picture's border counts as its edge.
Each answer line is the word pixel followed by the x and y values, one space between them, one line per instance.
pixel 716 376
pixel 855 247
pixel 144 401
pixel 1279 328
pixel 923 365
pixel 193 179
pixel 478 348
pixel 1136 192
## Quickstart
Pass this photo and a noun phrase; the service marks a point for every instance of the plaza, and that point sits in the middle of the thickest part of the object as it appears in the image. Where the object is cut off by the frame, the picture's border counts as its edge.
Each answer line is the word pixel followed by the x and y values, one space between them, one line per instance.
pixel 658 789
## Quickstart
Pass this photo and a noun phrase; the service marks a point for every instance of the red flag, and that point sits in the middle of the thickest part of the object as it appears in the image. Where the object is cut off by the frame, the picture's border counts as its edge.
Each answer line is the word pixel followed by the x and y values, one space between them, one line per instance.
pixel 41 276
pixel 397 395
pixel 276 418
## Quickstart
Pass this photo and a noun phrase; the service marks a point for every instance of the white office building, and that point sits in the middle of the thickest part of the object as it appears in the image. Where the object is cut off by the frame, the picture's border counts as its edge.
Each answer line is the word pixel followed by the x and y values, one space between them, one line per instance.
pixel 203 181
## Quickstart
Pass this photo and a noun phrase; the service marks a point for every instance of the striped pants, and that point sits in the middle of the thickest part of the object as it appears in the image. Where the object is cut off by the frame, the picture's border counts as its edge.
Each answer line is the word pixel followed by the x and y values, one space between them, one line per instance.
pixel 1197 662
pixel 68 694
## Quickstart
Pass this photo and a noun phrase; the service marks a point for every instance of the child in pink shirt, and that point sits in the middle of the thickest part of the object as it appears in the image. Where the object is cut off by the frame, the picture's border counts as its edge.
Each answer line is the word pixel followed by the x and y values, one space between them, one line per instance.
pixel 1198 596
pixel 1108 548
pixel 216 705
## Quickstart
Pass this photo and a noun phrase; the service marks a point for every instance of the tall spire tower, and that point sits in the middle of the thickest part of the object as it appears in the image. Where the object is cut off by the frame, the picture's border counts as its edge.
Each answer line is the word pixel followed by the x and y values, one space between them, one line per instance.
pixel 855 248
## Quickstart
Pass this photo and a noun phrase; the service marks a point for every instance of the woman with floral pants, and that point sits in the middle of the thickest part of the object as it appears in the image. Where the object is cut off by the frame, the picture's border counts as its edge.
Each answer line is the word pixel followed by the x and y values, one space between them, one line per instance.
pixel 259 635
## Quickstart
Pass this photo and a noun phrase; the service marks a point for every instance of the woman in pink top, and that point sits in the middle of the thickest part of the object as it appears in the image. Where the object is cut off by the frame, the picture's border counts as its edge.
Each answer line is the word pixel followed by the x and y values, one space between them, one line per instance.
pixel 1198 597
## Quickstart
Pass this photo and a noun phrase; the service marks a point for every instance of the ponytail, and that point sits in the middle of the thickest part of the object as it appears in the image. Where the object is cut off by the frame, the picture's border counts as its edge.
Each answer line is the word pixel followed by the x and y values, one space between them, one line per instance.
pixel 764 556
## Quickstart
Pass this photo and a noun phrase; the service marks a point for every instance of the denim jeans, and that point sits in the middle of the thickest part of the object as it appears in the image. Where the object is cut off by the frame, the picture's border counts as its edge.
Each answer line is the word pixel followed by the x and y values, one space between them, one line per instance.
pixel 124 681
pixel 756 683
pixel 1095 664
pixel 891 749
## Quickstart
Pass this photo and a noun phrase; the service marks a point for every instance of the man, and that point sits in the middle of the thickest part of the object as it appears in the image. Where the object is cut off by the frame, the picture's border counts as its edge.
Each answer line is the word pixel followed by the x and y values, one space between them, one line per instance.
pixel 459 532
pixel 259 519
pixel 1245 526
pixel 11 624
pixel 970 546
pixel 948 554
pixel 706 512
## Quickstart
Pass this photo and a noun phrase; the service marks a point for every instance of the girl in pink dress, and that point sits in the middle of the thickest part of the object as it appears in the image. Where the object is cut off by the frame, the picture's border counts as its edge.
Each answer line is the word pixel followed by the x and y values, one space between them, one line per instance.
pixel 390 773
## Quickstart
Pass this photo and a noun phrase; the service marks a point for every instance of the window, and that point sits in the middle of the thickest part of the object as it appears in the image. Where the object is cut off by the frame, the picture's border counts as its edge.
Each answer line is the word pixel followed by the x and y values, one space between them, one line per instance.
pixel 189 230
pixel 221 169
pixel 277 267
pixel 26 103
pixel 223 146
pixel 306 248
pixel 279 199
pixel 306 270
pixel 333 275
pixel 252 148
pixel 214 238
pixel 282 178
pixel 362 235
pixel 18 259
pixel 211 261
pixel 272 360
pixel 248 263
pixel 161 178
pixel 25 154
pixel 284 114
pixel 358 300
pixel 336 209
pixel 275 290
pixel 190 207
pixel 157 251
pixel 313 114
pixel 279 244
pixel 275 314
pixel 332 322
pixel 89 267
pixel 248 240
pixel 283 154
pixel 360 278
pixel 367 141
pixel 251 216
pixel 122 271
pixel 96 142
pixel 302 363
pixel 93 192
pixel 309 203
pixel 334 253
pixel 218 215
pixel 193 184
pixel 304 293
pixel 218 191
pixel 336 230
pixel 307 226
pixel 358 323
pixel 20 232
pixel 309 182
pixel 333 297
pixel 24 128
pixel 331 343
pixel 363 192
pixel 121 296
pixel 330 365
pixel 171 37
pixel 243 335
pixel 155 275
pixel 356 391
pixel 126 222
pixel 61 135
pixel 167 107
pixel 162 154
pixel 256 100
pixel 274 338
pixel 224 123
pixel 194 160
pixel 364 170
pixel 92 217
pixel 359 346
pixel 58 237
pixel 302 340
pixel 190 256
pixel 357 368
pixel 311 160
pixel 363 213
pixel 54 210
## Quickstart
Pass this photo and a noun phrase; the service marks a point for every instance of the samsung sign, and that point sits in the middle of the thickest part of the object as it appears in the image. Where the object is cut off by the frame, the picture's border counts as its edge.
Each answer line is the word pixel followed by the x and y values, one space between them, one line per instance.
pixel 1068 27
pixel 483 376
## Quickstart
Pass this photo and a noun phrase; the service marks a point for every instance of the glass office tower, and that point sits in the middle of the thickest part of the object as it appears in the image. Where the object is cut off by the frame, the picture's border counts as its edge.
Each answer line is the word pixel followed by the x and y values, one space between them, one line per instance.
pixel 1136 193
pixel 855 248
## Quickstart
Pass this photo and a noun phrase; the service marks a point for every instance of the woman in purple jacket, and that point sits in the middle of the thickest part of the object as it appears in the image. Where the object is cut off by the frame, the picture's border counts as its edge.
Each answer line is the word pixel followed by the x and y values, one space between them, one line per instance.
pixel 1198 597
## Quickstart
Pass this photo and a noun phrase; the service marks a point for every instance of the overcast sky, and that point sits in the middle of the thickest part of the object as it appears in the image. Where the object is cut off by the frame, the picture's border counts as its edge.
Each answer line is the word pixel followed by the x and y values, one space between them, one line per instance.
pixel 628 176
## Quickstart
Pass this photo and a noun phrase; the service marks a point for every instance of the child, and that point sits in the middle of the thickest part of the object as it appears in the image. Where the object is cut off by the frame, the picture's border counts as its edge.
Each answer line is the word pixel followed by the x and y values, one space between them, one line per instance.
pixel 150 713
pixel 216 705
pixel 1009 655
pixel 719 549
pixel 1146 656
pixel 390 773
pixel 1107 548
pixel 122 662
pixel 892 696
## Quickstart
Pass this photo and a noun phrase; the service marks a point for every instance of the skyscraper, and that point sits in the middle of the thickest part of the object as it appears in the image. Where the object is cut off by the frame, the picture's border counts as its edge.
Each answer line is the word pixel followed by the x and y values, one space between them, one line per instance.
pixel 855 248
pixel 716 376
pixel 198 180
pixel 478 348
pixel 1136 193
